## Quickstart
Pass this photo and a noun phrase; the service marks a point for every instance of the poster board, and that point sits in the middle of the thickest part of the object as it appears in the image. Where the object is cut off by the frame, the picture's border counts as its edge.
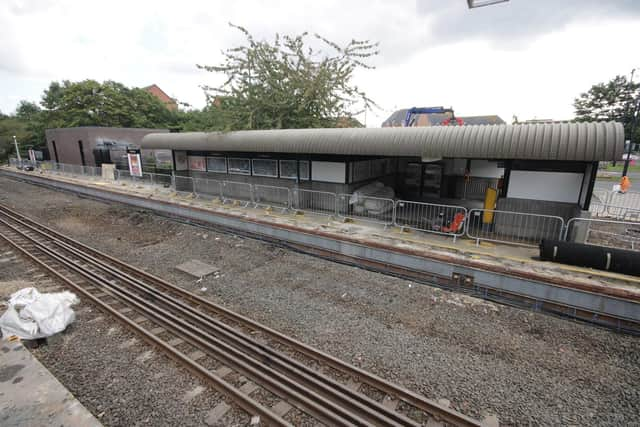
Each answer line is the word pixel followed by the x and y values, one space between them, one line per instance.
pixel 550 186
pixel 135 164
pixel 197 163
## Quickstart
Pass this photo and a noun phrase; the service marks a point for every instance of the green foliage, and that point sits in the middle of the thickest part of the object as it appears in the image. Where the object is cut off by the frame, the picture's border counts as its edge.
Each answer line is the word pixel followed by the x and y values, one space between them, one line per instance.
pixel 10 126
pixel 210 118
pixel 614 100
pixel 111 104
pixel 289 84
pixel 85 103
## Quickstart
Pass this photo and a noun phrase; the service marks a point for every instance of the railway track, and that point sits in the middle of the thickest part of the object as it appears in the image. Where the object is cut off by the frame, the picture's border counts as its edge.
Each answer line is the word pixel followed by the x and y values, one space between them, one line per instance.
pixel 288 381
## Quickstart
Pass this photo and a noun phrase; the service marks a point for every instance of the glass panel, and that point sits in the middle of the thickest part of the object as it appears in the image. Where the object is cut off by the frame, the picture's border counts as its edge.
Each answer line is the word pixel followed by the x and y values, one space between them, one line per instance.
pixel 360 171
pixel 304 169
pixel 217 164
pixel 197 163
pixel 264 167
pixel 288 169
pixel 240 166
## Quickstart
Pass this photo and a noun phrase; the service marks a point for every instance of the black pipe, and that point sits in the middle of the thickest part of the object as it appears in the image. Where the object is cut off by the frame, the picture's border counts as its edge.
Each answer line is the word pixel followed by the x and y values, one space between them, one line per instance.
pixel 598 257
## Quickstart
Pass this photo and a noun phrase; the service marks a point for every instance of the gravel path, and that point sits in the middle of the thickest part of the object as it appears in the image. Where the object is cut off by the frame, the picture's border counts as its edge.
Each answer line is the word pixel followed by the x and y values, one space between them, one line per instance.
pixel 527 368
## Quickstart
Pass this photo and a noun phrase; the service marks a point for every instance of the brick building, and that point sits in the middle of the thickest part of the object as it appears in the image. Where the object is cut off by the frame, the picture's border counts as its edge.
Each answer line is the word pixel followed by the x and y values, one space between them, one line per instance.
pixel 169 102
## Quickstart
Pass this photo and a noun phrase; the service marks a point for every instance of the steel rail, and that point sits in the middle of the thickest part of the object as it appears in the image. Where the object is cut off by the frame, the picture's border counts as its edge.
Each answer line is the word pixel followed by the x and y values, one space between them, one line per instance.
pixel 327 386
pixel 420 402
pixel 373 411
pixel 251 406
pixel 268 378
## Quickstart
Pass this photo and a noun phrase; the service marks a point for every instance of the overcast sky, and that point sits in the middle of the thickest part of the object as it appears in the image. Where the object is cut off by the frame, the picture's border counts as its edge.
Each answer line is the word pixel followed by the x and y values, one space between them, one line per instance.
pixel 528 58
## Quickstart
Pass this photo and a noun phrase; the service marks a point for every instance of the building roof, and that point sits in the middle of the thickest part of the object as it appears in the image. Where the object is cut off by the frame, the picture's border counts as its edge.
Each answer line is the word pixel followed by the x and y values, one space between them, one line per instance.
pixel 593 141
pixel 434 119
pixel 168 101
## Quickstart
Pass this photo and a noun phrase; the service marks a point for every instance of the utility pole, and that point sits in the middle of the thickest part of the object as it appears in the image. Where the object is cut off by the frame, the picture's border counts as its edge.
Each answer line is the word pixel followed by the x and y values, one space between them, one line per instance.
pixel 15 141
pixel 634 123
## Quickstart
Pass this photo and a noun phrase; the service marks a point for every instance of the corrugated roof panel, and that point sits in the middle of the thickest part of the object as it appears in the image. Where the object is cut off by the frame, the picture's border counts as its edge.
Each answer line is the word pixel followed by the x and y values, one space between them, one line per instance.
pixel 555 141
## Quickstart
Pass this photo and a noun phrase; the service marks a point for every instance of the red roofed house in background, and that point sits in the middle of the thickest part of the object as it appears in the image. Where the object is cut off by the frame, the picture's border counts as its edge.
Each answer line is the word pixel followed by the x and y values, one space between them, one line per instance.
pixel 169 102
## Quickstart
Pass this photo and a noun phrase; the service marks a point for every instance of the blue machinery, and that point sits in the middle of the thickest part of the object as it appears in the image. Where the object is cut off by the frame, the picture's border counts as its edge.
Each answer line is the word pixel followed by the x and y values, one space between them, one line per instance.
pixel 409 119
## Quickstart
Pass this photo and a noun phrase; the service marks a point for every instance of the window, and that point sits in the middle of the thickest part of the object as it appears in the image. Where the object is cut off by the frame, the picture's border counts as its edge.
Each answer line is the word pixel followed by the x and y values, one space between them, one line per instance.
pixel 377 168
pixel 289 169
pixel 197 163
pixel 217 164
pixel 360 171
pixel 304 169
pixel 265 167
pixel 240 166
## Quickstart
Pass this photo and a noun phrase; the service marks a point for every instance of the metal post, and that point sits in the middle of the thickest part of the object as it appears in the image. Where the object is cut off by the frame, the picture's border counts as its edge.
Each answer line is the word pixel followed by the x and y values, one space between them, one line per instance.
pixel 15 141
pixel 625 169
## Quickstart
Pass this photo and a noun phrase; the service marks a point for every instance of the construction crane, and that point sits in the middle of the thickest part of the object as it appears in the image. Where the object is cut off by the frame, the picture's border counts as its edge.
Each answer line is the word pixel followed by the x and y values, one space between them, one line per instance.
pixel 411 112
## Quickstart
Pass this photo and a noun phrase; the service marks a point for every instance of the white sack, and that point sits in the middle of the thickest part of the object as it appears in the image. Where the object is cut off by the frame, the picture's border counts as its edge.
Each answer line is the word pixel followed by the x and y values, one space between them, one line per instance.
pixel 33 315
pixel 12 324
pixel 23 297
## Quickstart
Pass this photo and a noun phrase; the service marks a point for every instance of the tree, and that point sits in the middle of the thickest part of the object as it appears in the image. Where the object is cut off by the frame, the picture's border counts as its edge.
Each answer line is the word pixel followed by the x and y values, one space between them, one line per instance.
pixel 614 100
pixel 10 126
pixel 90 103
pixel 33 118
pixel 289 84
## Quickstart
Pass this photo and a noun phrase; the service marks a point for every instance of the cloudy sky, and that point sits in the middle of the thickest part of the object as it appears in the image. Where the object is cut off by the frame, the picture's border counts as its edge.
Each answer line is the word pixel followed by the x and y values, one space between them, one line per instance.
pixel 528 58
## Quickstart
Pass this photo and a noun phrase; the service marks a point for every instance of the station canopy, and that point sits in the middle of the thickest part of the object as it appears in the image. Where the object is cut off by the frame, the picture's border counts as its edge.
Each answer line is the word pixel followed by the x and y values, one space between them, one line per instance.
pixel 593 141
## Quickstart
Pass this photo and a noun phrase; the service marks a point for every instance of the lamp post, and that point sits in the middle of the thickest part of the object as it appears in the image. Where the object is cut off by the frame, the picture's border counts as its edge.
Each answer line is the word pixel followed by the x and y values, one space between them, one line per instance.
pixel 15 141
pixel 634 123
pixel 481 3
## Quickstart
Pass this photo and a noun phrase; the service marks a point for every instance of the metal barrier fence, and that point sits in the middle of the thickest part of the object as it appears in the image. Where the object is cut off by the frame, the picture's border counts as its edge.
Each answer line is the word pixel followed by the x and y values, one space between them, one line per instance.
pixel 271 196
pixel 365 208
pixel 613 204
pixel 456 221
pixel 204 188
pixel 183 184
pixel 602 232
pixel 513 227
pixel 317 202
pixel 431 218
pixel 162 179
pixel 237 191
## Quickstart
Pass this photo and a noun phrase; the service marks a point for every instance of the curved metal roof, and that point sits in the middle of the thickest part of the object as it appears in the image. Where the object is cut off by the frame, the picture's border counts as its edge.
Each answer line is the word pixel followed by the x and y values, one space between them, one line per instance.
pixel 549 141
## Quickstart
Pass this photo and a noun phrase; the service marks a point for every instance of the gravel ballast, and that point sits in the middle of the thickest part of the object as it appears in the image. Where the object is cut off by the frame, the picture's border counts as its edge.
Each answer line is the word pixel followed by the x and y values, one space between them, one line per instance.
pixel 485 358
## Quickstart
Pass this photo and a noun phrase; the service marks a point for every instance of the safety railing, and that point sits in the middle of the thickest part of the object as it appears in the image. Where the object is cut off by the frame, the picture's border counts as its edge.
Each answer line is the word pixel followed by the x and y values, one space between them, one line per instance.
pixel 513 227
pixel 431 218
pixel 365 208
pixel 456 221
pixel 602 232
pixel 271 196
pixel 207 188
pixel 317 202
pixel 616 205
pixel 162 179
pixel 183 184
pixel 237 192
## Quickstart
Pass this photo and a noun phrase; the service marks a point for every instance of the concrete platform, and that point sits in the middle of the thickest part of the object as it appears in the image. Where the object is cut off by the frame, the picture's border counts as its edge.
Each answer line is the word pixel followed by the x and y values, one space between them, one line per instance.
pixel 492 271
pixel 31 396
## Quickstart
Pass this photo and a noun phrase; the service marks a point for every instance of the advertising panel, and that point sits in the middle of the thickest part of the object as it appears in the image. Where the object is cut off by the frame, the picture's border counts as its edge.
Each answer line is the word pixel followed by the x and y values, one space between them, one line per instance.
pixel 135 164
pixel 198 163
